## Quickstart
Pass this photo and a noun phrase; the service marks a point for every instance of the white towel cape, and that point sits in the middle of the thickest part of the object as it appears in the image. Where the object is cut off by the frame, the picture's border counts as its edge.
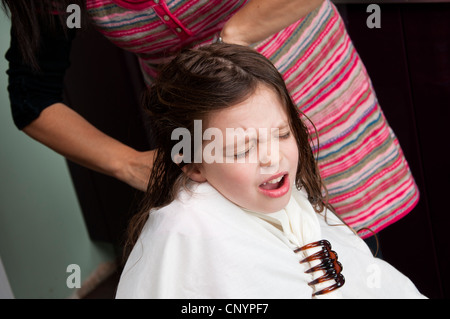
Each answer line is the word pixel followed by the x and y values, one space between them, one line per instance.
pixel 204 246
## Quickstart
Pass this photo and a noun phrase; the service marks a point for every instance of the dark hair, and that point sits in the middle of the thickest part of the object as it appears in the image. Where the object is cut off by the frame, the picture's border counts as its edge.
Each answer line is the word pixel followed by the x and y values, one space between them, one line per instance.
pixel 29 18
pixel 195 83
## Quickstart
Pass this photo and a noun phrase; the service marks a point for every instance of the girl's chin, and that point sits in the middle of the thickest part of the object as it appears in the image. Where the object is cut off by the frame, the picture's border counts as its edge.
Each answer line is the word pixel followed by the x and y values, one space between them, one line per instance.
pixel 272 205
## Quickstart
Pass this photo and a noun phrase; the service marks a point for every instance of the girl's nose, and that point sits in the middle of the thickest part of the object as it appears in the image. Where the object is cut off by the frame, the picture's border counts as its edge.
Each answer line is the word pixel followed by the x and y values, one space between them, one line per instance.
pixel 269 156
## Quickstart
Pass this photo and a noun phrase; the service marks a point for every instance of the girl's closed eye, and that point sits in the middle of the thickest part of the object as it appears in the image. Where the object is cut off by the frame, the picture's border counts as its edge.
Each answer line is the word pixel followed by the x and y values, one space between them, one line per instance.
pixel 284 136
pixel 249 147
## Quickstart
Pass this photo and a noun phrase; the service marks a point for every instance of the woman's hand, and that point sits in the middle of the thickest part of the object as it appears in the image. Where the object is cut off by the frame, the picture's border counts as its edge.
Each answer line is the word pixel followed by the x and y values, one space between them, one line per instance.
pixel 136 169
pixel 259 19
pixel 70 135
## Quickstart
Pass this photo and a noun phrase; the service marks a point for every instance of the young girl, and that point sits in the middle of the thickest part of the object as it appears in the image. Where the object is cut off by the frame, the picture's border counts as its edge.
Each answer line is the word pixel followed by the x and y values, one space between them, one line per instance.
pixel 250 223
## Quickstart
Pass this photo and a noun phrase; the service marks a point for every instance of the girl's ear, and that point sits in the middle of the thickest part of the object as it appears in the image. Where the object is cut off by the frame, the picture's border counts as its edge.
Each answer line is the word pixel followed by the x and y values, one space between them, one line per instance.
pixel 193 172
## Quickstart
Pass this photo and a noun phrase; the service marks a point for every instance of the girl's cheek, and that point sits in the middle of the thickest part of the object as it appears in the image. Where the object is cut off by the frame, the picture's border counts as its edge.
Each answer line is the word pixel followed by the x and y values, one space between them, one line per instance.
pixel 238 172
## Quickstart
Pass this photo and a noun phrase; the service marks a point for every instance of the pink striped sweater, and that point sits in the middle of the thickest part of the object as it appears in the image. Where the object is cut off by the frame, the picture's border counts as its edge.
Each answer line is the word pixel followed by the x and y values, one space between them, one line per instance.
pixel 360 159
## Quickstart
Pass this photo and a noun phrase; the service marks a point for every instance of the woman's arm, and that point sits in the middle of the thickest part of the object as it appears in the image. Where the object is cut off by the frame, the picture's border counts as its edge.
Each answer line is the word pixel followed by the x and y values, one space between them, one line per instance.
pixel 37 109
pixel 70 135
pixel 259 19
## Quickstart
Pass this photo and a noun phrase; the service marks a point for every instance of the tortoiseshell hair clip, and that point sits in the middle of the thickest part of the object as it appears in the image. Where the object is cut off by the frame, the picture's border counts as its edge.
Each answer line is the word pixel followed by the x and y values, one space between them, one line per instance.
pixel 329 264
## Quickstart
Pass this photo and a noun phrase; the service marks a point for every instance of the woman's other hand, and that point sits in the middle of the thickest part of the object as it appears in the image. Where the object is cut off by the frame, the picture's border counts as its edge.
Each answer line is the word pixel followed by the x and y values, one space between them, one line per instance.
pixel 259 19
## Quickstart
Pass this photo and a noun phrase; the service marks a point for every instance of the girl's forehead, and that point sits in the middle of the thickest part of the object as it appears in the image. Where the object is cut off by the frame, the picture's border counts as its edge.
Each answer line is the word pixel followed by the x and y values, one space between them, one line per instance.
pixel 261 109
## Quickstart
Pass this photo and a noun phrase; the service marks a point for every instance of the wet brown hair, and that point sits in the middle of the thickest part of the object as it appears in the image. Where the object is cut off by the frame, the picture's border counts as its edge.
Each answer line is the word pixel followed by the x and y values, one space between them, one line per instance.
pixel 196 83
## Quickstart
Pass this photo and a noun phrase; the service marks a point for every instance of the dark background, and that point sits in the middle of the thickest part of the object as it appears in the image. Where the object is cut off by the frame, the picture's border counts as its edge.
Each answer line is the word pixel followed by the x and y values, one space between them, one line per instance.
pixel 408 60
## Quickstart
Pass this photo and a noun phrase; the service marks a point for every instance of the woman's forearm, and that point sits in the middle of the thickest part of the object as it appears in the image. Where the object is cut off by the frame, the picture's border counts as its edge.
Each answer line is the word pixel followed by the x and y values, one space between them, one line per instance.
pixel 69 134
pixel 259 19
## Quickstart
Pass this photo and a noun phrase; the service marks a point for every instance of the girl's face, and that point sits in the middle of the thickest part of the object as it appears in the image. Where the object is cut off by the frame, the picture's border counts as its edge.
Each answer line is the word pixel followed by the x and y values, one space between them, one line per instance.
pixel 258 172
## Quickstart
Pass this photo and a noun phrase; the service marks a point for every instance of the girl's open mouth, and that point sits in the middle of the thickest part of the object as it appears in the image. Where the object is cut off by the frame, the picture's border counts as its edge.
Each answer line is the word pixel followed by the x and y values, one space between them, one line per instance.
pixel 275 187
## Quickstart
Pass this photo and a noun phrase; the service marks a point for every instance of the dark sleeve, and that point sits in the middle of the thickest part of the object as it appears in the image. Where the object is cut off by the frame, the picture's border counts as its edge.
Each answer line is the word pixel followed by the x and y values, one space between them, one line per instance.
pixel 32 91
